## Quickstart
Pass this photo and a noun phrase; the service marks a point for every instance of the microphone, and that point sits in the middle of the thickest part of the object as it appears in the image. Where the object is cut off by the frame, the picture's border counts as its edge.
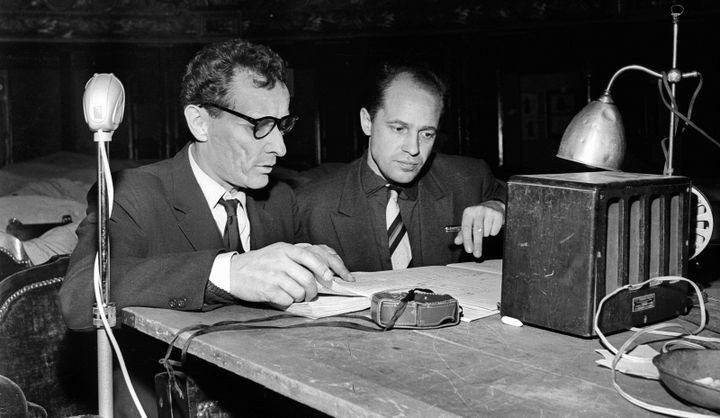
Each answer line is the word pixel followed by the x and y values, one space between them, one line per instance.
pixel 103 105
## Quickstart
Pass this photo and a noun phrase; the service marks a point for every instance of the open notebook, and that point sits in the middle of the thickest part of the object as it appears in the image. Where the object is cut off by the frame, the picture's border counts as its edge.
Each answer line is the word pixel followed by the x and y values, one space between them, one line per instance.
pixel 476 286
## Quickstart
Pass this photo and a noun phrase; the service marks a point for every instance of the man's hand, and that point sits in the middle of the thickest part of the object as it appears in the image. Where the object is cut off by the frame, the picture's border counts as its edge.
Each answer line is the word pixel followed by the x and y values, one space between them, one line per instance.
pixel 283 273
pixel 332 259
pixel 480 221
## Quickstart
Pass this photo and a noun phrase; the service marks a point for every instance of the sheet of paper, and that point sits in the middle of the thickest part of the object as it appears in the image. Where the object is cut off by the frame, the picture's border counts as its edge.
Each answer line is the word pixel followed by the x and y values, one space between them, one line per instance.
pixel 470 314
pixel 642 366
pixel 473 288
pixel 328 305
pixel 490 266
pixel 476 286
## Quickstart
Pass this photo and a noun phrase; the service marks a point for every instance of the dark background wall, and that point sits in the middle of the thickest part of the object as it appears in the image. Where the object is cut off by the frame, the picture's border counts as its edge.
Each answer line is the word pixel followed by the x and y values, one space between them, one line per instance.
pixel 530 65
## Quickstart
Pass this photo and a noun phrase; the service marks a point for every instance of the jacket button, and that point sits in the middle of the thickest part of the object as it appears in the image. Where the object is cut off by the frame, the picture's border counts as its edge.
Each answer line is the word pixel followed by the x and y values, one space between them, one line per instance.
pixel 173 303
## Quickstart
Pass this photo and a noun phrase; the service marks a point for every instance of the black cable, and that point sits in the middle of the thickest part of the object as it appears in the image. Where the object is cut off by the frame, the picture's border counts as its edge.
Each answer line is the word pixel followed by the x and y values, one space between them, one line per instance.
pixel 680 115
pixel 692 101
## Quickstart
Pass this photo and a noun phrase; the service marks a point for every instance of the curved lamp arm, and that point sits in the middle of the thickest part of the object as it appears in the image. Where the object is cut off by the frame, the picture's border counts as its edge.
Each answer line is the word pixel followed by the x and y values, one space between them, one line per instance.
pixel 630 67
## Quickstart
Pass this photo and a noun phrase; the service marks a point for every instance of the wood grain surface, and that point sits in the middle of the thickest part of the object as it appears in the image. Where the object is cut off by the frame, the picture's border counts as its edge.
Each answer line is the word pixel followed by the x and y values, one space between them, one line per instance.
pixel 482 368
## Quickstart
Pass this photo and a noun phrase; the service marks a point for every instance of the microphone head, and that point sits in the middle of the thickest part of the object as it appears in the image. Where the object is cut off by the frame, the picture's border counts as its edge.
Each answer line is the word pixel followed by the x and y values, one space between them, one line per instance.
pixel 103 102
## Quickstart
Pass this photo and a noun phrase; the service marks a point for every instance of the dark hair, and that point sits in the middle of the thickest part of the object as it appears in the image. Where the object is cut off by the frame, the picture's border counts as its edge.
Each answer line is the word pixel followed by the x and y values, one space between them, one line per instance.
pixel 208 75
pixel 387 73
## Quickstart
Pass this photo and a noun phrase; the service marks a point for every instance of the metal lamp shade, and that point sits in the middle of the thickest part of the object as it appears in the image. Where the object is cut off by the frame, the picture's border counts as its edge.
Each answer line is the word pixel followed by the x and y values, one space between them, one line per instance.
pixel 595 136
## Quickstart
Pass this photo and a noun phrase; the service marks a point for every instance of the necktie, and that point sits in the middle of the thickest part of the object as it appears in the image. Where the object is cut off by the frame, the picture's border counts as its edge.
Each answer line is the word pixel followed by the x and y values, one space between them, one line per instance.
pixel 398 240
pixel 231 235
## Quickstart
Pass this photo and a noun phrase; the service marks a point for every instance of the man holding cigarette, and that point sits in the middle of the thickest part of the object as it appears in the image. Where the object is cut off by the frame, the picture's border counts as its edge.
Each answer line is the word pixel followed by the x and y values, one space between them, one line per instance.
pixel 390 208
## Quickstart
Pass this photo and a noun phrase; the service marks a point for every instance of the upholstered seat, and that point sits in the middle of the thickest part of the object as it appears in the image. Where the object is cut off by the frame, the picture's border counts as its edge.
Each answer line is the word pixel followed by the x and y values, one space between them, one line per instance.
pixel 12 255
pixel 53 366
pixel 13 402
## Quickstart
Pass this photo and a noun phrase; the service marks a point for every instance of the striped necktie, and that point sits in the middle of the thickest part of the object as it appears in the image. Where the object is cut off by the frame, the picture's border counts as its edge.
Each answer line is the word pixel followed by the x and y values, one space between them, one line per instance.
pixel 398 240
pixel 231 235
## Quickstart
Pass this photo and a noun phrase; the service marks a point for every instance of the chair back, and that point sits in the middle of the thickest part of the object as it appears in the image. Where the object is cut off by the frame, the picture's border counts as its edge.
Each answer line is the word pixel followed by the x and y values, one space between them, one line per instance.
pixel 53 366
pixel 12 255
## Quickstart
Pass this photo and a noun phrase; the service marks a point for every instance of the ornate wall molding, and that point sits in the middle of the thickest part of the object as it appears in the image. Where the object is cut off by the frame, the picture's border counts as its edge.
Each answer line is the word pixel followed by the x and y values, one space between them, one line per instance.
pixel 200 20
pixel 117 20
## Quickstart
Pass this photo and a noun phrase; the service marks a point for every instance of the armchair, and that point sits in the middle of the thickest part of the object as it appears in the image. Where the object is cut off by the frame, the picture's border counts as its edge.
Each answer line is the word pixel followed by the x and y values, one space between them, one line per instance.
pixel 37 351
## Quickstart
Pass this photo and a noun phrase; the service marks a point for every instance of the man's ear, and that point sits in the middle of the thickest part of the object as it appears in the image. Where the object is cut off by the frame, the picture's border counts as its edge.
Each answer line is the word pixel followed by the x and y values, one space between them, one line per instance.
pixel 196 119
pixel 365 121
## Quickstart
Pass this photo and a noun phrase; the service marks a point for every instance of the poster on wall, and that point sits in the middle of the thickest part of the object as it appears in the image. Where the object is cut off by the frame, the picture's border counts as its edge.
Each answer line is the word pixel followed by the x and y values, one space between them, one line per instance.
pixel 547 104
pixel 532 116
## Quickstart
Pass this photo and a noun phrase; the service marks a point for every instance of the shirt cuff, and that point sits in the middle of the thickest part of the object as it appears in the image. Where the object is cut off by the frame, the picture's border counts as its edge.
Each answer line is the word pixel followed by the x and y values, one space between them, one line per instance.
pixel 220 272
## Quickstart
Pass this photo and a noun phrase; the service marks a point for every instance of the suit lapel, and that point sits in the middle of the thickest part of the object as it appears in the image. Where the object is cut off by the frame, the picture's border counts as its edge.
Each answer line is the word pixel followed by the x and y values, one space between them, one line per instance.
pixel 191 211
pixel 353 215
pixel 262 222
pixel 435 206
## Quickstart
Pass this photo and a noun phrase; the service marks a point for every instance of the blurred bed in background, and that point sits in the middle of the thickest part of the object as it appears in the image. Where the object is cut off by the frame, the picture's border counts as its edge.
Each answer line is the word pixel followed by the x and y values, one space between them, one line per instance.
pixel 43 191
pixel 48 188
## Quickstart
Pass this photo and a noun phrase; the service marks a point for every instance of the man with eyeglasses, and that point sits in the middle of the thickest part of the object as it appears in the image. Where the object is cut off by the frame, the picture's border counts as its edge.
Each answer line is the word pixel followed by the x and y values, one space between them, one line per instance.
pixel 209 226
pixel 390 208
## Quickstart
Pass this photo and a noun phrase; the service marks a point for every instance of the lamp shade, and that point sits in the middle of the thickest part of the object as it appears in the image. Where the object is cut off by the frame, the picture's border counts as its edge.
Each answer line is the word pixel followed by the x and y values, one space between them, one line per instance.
pixel 595 136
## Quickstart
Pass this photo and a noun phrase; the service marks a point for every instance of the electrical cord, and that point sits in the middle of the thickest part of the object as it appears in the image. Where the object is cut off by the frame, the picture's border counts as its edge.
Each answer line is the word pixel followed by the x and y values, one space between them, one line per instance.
pixel 645 405
pixel 673 108
pixel 663 82
pixel 98 296
pixel 656 330
pixel 692 100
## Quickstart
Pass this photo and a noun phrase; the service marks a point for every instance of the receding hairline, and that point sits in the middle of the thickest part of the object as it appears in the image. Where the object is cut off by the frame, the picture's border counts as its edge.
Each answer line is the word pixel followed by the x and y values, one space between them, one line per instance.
pixel 406 76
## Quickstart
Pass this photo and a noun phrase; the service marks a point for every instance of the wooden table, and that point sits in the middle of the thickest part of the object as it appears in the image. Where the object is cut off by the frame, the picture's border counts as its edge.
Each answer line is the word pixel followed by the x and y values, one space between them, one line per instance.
pixel 483 368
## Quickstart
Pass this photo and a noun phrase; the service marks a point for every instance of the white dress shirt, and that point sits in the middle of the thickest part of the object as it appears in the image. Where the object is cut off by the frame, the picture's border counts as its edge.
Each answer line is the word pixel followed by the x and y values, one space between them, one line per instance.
pixel 213 192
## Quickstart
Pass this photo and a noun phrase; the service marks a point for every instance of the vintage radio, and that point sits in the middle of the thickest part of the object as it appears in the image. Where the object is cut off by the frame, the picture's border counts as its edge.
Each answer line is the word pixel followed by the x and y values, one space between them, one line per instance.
pixel 573 238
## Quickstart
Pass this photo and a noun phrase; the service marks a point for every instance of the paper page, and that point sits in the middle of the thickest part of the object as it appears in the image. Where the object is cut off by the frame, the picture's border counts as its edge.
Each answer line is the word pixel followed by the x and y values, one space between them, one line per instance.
pixel 639 364
pixel 327 305
pixel 470 314
pixel 478 289
pixel 490 266
pixel 336 288
pixel 476 286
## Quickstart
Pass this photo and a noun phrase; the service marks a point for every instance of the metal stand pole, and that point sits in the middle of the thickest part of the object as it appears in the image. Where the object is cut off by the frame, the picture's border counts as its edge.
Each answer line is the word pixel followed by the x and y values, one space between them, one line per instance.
pixel 103 106
pixel 104 349
pixel 105 374
pixel 675 13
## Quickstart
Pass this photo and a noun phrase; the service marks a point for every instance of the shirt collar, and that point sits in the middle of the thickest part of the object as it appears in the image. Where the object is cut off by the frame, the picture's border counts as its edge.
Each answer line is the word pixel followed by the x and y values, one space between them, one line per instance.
pixel 371 182
pixel 212 191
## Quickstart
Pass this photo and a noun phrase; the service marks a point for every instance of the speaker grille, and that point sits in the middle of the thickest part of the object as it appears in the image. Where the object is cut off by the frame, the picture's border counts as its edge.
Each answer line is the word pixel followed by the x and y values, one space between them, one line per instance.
pixel 643 238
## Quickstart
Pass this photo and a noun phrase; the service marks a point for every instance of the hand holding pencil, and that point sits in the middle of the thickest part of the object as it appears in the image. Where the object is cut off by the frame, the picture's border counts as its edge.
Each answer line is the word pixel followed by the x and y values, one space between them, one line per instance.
pixel 479 221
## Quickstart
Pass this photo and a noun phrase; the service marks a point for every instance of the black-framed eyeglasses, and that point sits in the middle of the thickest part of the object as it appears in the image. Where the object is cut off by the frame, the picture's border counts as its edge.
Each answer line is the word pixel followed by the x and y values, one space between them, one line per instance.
pixel 264 125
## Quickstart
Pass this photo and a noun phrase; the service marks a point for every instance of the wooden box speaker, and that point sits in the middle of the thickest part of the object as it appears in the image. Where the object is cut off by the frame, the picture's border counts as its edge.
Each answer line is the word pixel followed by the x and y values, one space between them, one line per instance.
pixel 573 238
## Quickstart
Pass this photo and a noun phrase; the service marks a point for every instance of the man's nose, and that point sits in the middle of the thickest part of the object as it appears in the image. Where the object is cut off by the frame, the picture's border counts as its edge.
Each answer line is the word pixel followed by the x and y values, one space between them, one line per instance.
pixel 411 144
pixel 276 143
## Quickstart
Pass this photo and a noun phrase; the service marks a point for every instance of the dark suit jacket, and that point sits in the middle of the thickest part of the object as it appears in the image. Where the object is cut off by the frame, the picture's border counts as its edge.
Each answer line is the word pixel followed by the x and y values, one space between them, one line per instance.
pixel 163 239
pixel 334 211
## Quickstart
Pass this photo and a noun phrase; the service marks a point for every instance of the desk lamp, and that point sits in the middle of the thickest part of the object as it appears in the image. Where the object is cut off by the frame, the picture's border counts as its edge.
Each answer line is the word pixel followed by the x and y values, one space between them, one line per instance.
pixel 572 238
pixel 596 136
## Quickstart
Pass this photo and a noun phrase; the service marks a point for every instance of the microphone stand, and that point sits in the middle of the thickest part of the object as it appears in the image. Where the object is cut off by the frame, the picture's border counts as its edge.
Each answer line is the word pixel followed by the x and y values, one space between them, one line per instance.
pixel 104 349
pixel 103 106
